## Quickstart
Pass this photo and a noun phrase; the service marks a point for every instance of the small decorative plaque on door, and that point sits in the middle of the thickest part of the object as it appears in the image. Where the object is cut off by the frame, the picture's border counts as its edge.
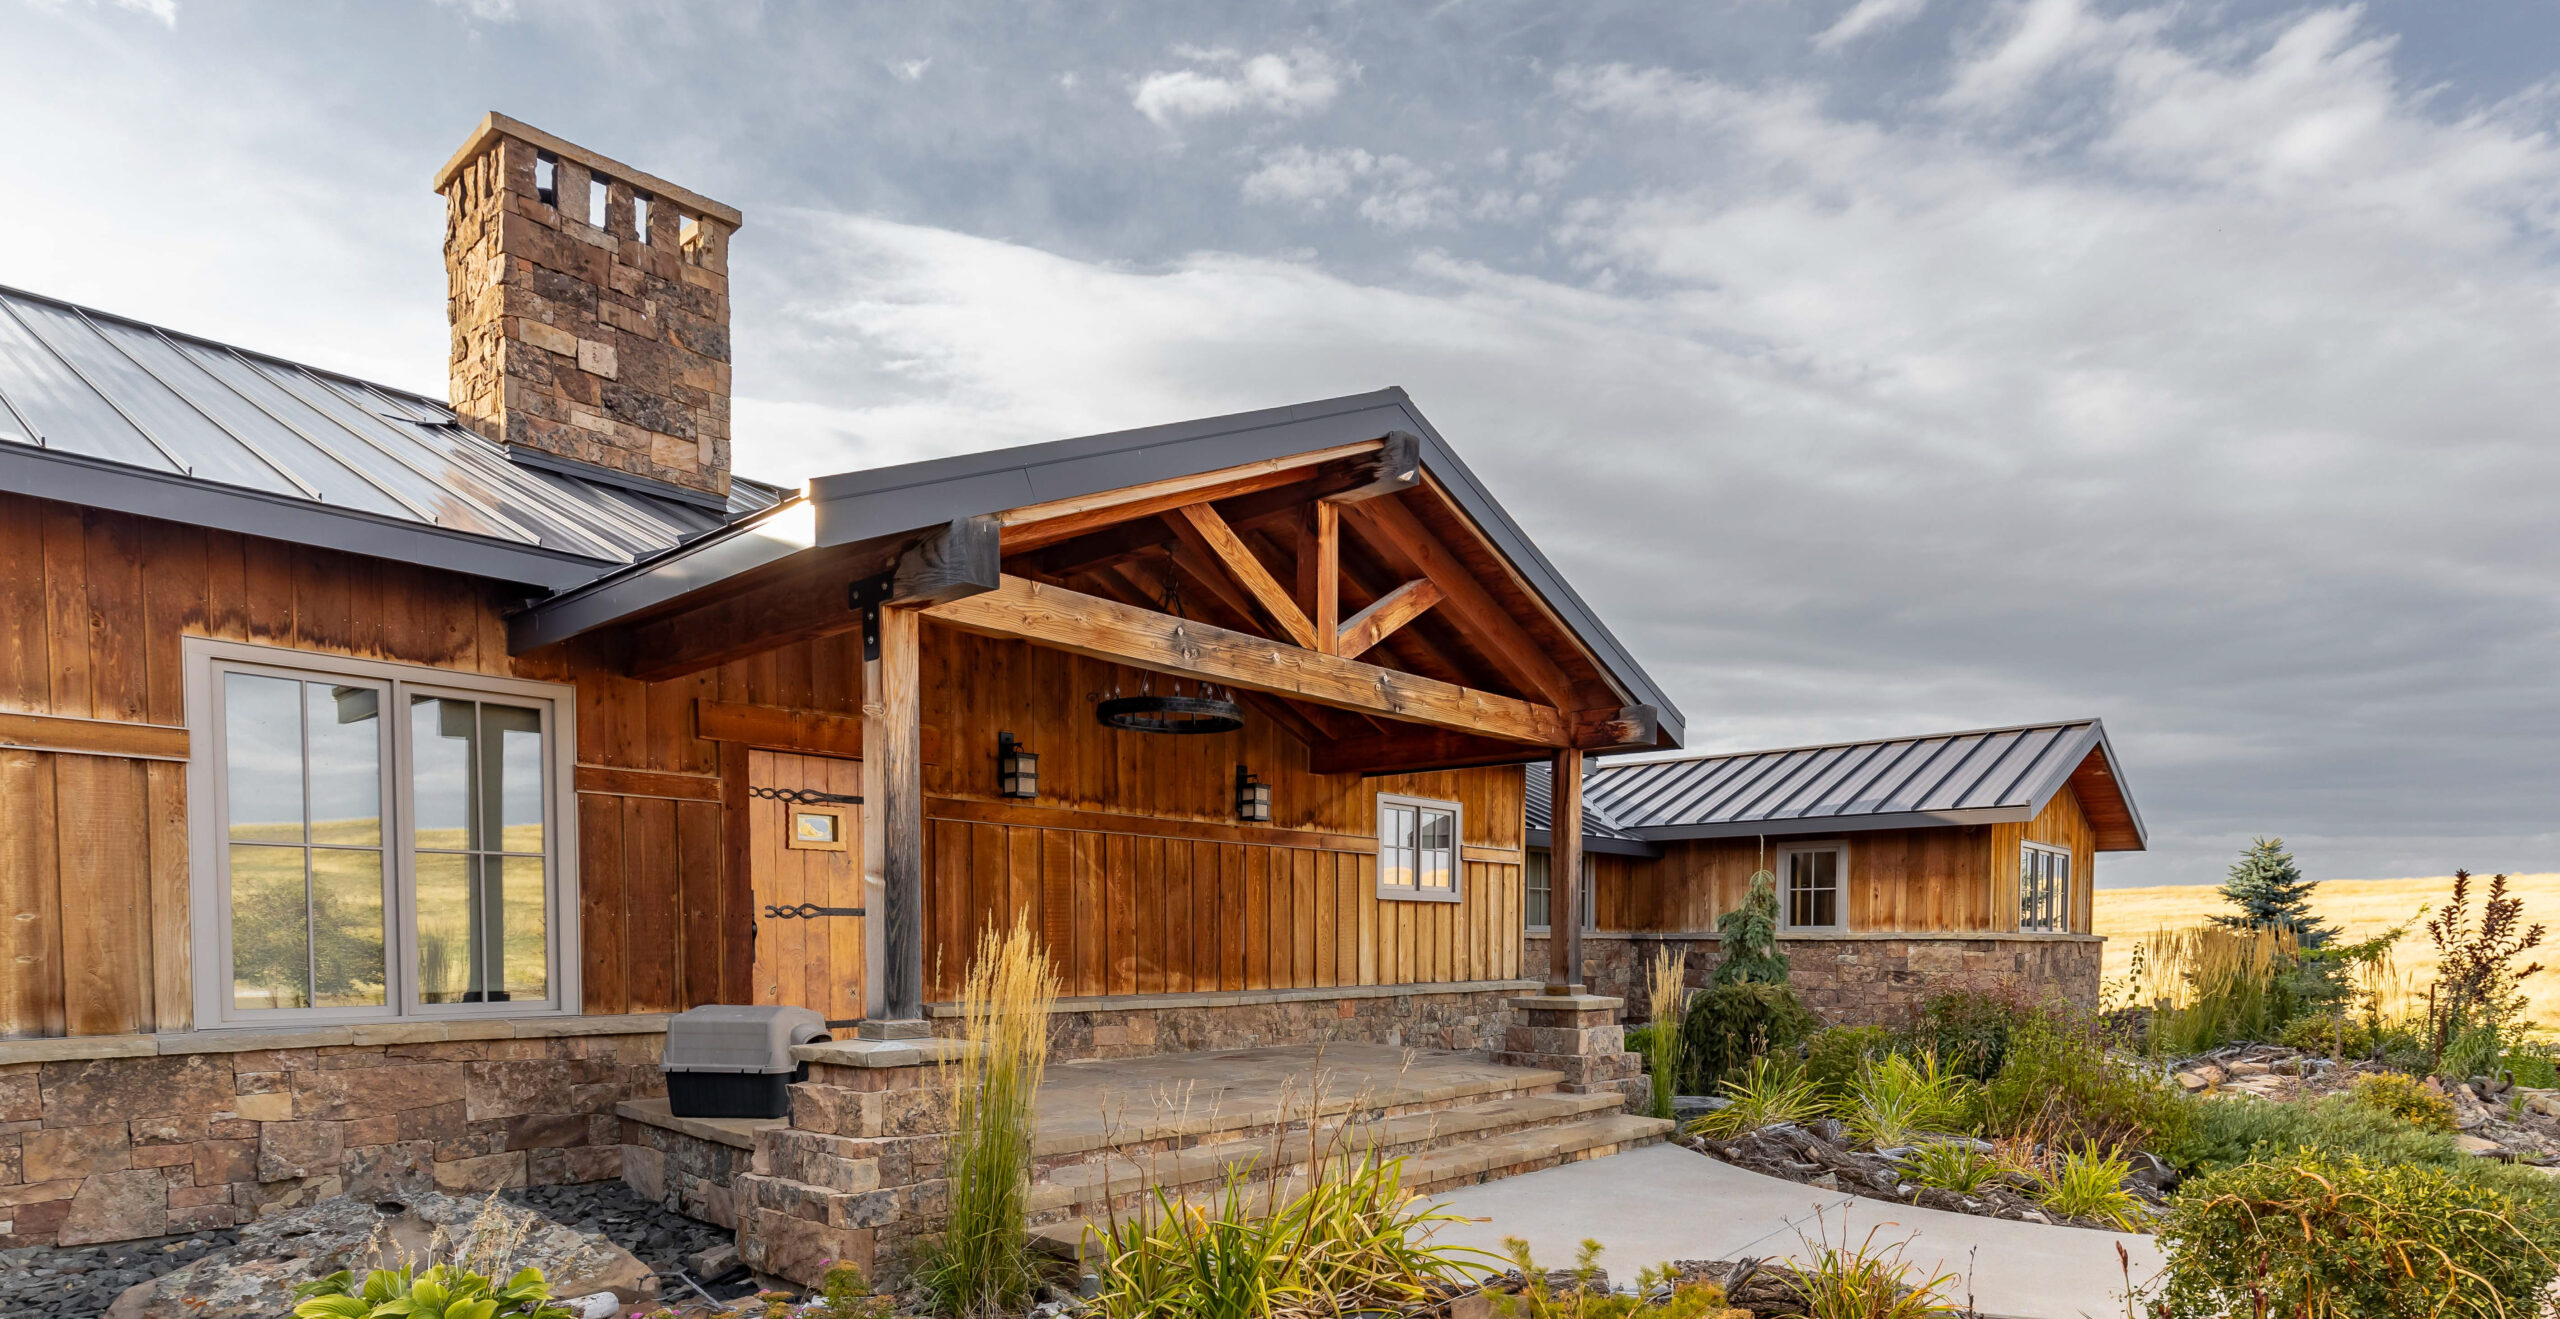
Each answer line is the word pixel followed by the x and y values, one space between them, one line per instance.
pixel 816 829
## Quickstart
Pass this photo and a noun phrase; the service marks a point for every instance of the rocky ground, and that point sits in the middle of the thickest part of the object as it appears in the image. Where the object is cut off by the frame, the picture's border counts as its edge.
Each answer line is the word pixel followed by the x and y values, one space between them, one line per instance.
pixel 2496 1119
pixel 1817 1155
pixel 78 1282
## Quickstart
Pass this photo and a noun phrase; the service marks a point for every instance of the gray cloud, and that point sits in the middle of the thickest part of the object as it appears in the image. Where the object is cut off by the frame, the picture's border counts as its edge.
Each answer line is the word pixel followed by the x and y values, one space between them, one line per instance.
pixel 1874 367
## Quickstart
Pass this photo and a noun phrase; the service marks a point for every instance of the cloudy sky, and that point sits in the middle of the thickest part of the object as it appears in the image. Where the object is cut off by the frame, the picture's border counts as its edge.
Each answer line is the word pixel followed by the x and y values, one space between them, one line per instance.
pixel 1875 366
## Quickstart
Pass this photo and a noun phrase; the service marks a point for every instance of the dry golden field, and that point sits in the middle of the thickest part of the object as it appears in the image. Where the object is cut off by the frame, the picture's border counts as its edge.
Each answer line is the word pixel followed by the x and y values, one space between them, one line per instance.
pixel 2361 907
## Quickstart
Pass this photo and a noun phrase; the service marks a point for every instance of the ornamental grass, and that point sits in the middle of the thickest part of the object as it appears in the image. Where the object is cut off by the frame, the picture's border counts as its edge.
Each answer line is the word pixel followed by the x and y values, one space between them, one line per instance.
pixel 982 1263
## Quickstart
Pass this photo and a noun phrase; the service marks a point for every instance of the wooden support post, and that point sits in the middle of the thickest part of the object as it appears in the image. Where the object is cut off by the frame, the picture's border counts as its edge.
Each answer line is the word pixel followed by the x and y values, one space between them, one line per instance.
pixel 1328 575
pixel 893 759
pixel 1564 874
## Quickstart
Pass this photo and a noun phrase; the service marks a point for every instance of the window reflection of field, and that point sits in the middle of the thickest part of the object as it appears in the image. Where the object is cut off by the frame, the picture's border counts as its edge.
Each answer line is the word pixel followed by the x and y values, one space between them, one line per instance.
pixel 330 953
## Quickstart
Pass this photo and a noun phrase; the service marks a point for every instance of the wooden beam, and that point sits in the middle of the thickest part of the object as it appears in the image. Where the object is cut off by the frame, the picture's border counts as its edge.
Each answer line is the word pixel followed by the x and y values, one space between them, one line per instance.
pixel 1194 560
pixel 1396 469
pixel 1329 577
pixel 1391 611
pixel 1416 751
pixel 893 804
pixel 783 728
pixel 92 737
pixel 808 595
pixel 1033 525
pixel 1221 540
pixel 1090 625
pixel 1312 724
pixel 1404 542
pixel 1564 873
pixel 649 783
pixel 1624 728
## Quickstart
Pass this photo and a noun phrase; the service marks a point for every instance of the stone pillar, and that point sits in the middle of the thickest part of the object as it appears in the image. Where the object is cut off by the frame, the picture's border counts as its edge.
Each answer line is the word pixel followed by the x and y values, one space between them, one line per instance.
pixel 858 1173
pixel 1576 1034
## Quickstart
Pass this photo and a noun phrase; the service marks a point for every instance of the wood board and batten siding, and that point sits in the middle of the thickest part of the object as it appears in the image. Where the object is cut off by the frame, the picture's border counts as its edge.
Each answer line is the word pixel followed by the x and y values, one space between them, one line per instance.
pixel 1134 869
pixel 1946 880
pixel 1131 863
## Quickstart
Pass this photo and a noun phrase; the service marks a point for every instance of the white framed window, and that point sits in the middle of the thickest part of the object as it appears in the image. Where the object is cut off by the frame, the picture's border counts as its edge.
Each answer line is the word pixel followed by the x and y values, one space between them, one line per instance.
pixel 1418 849
pixel 1538 876
pixel 1813 887
pixel 373 841
pixel 2044 889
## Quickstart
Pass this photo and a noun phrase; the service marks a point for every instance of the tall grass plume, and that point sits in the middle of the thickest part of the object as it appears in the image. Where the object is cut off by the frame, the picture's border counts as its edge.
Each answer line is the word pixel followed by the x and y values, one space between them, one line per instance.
pixel 1668 995
pixel 982 1264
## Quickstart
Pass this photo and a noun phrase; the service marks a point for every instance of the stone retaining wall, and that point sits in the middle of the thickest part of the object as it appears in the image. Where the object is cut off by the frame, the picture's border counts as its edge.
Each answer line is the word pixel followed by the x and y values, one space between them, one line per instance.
pixel 117 1148
pixel 1471 1016
pixel 1861 979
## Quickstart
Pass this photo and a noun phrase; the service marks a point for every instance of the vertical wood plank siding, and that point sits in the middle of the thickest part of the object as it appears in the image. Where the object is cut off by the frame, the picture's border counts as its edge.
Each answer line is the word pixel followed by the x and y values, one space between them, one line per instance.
pixel 1955 879
pixel 1128 893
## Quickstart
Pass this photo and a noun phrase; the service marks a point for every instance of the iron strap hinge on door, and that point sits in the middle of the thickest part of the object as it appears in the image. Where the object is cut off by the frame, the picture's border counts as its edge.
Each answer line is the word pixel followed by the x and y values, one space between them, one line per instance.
pixel 808 911
pixel 804 796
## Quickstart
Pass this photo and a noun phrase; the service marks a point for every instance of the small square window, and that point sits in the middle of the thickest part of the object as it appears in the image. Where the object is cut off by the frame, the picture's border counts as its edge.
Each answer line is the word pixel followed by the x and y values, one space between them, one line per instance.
pixel 1418 849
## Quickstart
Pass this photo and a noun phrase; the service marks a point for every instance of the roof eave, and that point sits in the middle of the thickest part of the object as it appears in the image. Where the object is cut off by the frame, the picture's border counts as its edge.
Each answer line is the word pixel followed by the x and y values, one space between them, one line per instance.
pixel 1546 838
pixel 751 542
pixel 76 479
pixel 1833 824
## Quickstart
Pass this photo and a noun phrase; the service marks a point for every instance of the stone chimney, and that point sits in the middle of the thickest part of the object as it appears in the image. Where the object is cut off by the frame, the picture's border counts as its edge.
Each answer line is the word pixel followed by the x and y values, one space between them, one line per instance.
pixel 590 311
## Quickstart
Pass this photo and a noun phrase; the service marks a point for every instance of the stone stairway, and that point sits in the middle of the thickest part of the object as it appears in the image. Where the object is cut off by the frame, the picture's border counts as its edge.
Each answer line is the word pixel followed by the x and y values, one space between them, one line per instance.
pixel 1455 1121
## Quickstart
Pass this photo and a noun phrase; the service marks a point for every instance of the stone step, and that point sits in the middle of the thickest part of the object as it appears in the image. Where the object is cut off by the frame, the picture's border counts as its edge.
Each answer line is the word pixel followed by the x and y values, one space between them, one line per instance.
pixel 1465 1164
pixel 1407 1134
pixel 1179 1118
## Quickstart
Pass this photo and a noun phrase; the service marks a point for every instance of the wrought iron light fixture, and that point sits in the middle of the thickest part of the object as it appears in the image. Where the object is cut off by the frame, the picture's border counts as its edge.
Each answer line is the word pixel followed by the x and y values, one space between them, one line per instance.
pixel 1205 712
pixel 1253 797
pixel 1017 770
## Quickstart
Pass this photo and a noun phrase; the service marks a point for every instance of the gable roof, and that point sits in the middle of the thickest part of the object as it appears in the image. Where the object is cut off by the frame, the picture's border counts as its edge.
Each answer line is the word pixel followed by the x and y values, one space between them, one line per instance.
pixel 1980 776
pixel 865 505
pixel 103 410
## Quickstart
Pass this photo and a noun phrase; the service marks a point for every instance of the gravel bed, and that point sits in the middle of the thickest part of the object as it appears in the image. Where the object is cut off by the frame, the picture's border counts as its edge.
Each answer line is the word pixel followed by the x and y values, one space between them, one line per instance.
pixel 80 1282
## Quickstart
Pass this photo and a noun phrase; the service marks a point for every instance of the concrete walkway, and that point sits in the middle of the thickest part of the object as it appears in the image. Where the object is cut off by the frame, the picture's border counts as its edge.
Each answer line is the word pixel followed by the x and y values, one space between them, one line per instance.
pixel 1663 1203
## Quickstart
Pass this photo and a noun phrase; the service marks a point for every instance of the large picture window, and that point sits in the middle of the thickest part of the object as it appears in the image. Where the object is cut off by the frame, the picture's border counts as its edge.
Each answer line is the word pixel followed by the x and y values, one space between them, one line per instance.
pixel 1813 888
pixel 375 840
pixel 2044 889
pixel 1417 849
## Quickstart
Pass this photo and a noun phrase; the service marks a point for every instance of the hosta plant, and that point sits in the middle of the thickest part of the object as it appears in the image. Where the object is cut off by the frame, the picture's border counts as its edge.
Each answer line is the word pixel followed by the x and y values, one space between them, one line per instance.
pixel 440 1292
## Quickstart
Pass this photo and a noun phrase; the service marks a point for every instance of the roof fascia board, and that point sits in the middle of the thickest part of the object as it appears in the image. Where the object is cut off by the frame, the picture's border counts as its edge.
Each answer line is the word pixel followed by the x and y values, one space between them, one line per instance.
pixel 2094 738
pixel 74 479
pixel 1546 838
pixel 768 537
pixel 1833 824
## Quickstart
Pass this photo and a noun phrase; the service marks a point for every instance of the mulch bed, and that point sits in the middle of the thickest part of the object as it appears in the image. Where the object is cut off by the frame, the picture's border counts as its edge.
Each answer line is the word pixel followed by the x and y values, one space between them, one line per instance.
pixel 1816 1155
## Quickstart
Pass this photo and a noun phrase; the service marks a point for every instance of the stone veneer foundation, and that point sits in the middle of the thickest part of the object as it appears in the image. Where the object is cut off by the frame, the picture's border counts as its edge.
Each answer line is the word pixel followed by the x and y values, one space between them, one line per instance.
pixel 1862 979
pixel 114 1138
pixel 1467 1015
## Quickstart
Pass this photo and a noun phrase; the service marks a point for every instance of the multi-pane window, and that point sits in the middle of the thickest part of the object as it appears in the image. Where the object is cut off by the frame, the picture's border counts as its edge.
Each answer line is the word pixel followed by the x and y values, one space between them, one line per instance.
pixel 1810 892
pixel 1539 888
pixel 1417 849
pixel 2044 889
pixel 380 840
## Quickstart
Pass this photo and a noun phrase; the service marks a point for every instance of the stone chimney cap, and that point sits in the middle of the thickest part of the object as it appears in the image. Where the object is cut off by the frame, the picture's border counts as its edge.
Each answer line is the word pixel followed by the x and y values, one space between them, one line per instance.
pixel 496 126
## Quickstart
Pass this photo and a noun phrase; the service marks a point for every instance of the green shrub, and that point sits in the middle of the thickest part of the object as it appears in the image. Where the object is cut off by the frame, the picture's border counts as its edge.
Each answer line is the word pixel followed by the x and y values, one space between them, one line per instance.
pixel 1952 1165
pixel 2061 1084
pixel 2332 1035
pixel 1969 1031
pixel 2407 1098
pixel 1749 936
pixel 1588 1297
pixel 1640 1038
pixel 1729 1025
pixel 2470 1051
pixel 2310 1235
pixel 441 1292
pixel 1764 1093
pixel 1355 1239
pixel 2227 1133
pixel 2089 1183
pixel 1834 1057
pixel 2533 1070
pixel 1896 1099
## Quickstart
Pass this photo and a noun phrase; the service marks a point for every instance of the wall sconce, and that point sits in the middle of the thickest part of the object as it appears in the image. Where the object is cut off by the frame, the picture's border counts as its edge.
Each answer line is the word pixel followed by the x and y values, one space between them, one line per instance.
pixel 1253 797
pixel 1017 770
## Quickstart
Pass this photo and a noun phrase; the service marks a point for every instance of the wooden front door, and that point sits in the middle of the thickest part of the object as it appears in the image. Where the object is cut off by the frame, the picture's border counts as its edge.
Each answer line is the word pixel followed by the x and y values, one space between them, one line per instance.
pixel 806 871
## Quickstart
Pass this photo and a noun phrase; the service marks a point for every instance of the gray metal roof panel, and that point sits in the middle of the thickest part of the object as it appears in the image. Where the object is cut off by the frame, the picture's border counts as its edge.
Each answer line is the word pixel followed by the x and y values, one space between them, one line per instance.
pixel 104 410
pixel 1979 775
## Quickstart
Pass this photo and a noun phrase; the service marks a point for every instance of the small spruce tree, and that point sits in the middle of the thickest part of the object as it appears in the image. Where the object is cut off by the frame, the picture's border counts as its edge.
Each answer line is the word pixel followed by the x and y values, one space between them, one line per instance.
pixel 2270 892
pixel 1749 934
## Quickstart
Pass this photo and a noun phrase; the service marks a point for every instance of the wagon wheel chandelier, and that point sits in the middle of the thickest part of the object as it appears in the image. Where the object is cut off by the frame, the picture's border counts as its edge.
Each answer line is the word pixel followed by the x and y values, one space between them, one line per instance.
pixel 1207 709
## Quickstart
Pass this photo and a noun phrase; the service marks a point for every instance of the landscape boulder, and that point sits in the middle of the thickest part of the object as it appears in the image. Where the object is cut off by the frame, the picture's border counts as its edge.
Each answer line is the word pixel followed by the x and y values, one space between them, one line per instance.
pixel 255 1279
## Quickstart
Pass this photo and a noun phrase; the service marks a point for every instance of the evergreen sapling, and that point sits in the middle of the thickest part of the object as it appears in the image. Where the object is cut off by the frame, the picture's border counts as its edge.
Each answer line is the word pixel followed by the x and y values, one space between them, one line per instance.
pixel 2271 893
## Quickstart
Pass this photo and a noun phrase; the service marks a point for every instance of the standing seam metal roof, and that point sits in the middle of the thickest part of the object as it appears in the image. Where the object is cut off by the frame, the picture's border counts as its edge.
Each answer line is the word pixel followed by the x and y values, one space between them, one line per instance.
pixel 1984 774
pixel 100 409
